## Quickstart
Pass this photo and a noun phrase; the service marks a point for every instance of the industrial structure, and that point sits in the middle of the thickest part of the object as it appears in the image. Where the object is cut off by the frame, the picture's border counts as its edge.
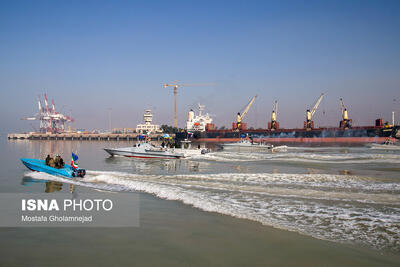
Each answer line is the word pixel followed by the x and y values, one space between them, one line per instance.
pixel 274 124
pixel 147 126
pixel 309 123
pixel 345 122
pixel 239 124
pixel 175 85
pixel 201 129
pixel 345 134
pixel 51 121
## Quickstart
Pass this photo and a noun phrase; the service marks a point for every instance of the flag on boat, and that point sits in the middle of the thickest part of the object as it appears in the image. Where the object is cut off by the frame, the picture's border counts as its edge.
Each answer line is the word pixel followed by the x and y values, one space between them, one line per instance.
pixel 142 136
pixel 74 162
pixel 166 136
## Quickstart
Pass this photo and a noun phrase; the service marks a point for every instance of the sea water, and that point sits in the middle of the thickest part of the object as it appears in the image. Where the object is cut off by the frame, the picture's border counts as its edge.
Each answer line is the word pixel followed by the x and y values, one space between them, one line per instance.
pixel 346 195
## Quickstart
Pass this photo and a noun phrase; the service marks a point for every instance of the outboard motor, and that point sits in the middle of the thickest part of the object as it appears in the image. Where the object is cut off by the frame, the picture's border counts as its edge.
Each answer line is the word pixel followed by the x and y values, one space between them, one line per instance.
pixel 205 151
pixel 81 172
pixel 78 173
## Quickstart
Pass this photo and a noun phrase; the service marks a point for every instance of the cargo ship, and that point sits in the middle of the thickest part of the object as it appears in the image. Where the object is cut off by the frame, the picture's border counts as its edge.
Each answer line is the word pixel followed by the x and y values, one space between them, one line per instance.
pixel 354 135
pixel 201 129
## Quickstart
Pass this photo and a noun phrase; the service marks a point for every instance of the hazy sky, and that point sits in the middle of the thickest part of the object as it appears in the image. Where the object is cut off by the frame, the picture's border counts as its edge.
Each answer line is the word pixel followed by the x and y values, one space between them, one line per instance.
pixel 91 56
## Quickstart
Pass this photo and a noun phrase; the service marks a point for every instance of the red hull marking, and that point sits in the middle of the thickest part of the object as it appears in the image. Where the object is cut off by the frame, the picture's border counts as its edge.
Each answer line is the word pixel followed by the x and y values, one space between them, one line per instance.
pixel 142 157
pixel 303 140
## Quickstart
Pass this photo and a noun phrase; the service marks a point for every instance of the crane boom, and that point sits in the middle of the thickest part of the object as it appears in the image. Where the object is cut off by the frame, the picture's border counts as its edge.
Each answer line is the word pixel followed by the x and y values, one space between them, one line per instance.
pixel 345 114
pixel 248 107
pixel 40 105
pixel 274 111
pixel 342 106
pixel 314 109
pixel 175 85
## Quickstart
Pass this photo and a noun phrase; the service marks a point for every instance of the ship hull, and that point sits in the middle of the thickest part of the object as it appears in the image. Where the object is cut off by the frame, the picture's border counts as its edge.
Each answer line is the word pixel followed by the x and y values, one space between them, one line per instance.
pixel 339 136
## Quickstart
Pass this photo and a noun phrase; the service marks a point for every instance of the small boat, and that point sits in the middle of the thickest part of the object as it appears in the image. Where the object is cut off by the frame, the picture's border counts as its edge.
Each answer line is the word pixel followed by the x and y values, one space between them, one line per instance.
pixel 144 150
pixel 244 143
pixel 387 145
pixel 189 151
pixel 247 145
pixel 40 166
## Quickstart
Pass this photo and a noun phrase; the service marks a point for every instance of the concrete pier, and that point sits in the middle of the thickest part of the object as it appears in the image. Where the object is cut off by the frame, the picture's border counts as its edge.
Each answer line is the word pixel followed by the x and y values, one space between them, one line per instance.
pixel 81 136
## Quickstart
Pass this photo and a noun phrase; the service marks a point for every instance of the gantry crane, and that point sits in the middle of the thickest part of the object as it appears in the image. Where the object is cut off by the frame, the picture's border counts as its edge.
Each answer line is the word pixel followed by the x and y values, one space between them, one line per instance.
pixel 50 120
pixel 239 125
pixel 309 124
pixel 175 85
pixel 345 122
pixel 273 125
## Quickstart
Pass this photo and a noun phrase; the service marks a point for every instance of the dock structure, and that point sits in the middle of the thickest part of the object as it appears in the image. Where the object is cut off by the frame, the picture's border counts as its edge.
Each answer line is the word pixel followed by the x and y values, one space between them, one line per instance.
pixel 82 136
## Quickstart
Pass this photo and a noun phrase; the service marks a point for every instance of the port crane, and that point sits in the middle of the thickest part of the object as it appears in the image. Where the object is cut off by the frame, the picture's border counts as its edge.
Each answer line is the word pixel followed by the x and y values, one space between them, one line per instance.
pixel 345 122
pixel 239 125
pixel 309 124
pixel 175 85
pixel 50 120
pixel 273 125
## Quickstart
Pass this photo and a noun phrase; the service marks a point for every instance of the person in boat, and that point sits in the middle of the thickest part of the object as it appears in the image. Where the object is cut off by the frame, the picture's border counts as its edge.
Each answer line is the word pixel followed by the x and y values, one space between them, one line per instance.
pixel 162 144
pixel 52 163
pixel 59 162
pixel 48 159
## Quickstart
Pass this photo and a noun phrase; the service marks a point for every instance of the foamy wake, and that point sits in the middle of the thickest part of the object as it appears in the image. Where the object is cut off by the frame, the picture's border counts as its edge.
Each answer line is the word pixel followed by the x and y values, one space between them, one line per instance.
pixel 334 207
pixel 334 158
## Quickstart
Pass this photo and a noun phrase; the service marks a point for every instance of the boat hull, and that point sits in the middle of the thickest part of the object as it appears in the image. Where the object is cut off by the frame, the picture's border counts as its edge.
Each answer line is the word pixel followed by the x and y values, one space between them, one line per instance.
pixel 385 147
pixel 144 155
pixel 241 147
pixel 40 166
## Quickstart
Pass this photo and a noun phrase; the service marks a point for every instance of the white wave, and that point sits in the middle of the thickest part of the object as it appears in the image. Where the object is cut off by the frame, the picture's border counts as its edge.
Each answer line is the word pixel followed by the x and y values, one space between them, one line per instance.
pixel 312 204
pixel 334 158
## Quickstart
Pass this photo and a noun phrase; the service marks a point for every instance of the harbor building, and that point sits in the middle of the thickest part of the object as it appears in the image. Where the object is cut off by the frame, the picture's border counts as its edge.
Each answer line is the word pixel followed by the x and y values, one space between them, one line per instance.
pixel 148 126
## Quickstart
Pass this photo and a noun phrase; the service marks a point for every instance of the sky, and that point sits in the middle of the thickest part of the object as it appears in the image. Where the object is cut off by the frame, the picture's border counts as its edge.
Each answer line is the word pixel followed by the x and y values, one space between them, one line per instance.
pixel 101 58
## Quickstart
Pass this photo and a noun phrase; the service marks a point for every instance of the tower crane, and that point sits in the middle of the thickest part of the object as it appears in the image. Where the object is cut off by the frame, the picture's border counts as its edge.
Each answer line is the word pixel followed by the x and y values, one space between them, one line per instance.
pixel 345 122
pixel 309 124
pixel 273 125
pixel 175 85
pixel 238 125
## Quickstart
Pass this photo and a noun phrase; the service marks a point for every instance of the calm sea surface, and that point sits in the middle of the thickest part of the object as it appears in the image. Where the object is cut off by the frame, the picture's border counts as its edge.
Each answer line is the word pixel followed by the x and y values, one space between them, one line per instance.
pixel 322 206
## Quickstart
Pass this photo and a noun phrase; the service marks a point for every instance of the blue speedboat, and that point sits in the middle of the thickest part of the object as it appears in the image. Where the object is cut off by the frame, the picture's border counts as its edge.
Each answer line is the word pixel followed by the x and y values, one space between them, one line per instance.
pixel 40 166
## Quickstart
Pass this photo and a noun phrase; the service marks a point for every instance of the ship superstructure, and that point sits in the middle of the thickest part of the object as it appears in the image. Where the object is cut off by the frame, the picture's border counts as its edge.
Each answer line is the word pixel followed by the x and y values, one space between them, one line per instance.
pixel 199 122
